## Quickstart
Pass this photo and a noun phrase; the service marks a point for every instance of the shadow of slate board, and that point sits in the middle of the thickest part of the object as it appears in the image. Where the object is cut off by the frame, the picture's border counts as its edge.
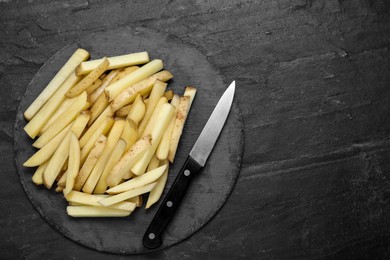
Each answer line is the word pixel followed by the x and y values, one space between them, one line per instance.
pixel 208 191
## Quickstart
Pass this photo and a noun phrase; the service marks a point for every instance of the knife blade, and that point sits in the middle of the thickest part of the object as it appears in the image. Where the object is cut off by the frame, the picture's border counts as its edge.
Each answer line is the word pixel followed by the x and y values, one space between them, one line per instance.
pixel 194 163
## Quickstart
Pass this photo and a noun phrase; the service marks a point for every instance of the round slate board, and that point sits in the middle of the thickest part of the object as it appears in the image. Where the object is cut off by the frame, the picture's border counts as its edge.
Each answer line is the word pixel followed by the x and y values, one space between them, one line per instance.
pixel 208 191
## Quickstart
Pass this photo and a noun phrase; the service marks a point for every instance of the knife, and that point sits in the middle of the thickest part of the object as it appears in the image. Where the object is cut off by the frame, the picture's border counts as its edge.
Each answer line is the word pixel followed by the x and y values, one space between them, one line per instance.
pixel 194 163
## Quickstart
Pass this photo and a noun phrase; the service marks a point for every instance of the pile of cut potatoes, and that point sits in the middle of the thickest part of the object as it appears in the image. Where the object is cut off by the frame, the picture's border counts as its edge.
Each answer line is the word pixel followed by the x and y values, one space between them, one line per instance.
pixel 107 131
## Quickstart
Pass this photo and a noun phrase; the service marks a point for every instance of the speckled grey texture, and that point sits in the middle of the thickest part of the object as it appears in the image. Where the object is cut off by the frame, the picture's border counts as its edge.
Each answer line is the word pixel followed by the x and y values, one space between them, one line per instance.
pixel 207 192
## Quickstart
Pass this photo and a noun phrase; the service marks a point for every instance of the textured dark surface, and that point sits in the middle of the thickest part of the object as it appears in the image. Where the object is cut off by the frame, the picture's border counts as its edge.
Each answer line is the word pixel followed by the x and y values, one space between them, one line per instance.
pixel 207 192
pixel 313 88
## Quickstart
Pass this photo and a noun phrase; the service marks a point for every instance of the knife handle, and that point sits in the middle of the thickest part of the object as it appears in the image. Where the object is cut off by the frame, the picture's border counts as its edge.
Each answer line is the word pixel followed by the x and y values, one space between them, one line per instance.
pixel 152 237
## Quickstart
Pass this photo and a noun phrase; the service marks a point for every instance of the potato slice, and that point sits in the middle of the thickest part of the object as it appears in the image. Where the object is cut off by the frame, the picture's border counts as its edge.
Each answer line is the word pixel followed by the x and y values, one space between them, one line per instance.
pixel 156 192
pixel 139 181
pixel 163 147
pixel 115 156
pixel 78 56
pixel 137 111
pixel 112 139
pixel 157 92
pixel 93 200
pixel 88 80
pixel 145 71
pixel 107 80
pixel 91 211
pixel 143 87
pixel 115 62
pixel 39 120
pixel 90 162
pixel 128 159
pixel 127 195
pixel 167 112
pixel 65 119
pixel 37 177
pixel 73 163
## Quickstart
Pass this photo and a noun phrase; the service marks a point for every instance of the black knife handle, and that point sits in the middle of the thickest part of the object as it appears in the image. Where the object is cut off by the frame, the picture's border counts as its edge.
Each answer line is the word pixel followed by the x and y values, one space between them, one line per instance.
pixel 152 237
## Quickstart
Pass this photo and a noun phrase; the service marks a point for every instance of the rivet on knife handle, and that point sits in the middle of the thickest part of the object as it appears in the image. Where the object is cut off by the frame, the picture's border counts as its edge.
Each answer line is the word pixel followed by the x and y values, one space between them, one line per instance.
pixel 152 238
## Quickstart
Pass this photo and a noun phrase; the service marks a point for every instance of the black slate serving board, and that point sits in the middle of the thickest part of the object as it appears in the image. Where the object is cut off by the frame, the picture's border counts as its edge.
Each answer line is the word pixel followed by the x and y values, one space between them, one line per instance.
pixel 207 192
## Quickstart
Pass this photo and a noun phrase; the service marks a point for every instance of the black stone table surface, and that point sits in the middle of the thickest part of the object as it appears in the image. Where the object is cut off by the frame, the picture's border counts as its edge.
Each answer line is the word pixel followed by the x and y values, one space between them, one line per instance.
pixel 313 90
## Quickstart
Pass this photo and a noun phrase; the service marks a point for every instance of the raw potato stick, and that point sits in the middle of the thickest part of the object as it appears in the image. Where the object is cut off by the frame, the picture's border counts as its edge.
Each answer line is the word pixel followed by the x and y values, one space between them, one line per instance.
pixel 154 117
pixel 103 129
pixel 73 163
pixel 163 147
pixel 90 162
pixel 91 211
pixel 128 159
pixel 65 119
pixel 56 162
pixel 48 150
pixel 37 177
pixel 167 112
pixel 94 86
pixel 60 156
pixel 145 71
pixel 156 192
pixel 116 154
pixel 115 62
pixel 43 154
pixel 98 107
pixel 190 92
pixel 39 120
pixel 156 93
pixel 95 95
pixel 139 181
pixel 153 164
pixel 62 181
pixel 78 56
pixel 143 87
pixel 168 94
pixel 87 135
pixel 137 200
pixel 181 116
pixel 112 139
pixel 64 106
pixel 137 110
pixel 123 111
pixel 93 200
pixel 88 80
pixel 127 195
pixel 123 73
pixel 130 133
